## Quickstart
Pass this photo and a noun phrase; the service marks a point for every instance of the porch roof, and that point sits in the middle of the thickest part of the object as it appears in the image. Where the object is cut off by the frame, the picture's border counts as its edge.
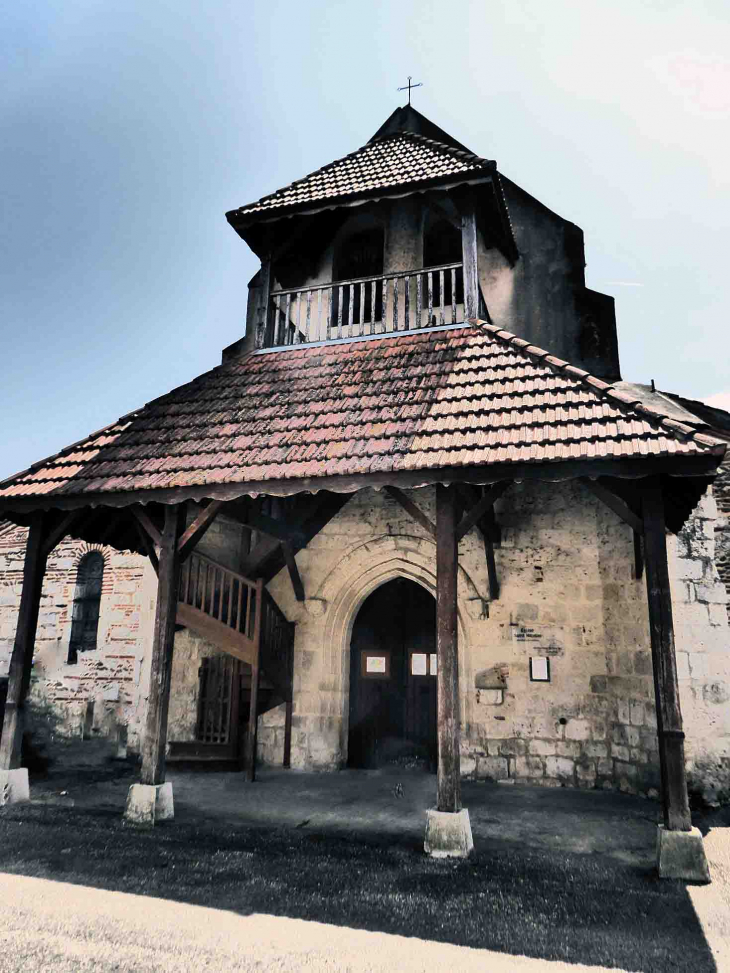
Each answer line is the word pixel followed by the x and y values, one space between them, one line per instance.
pixel 472 402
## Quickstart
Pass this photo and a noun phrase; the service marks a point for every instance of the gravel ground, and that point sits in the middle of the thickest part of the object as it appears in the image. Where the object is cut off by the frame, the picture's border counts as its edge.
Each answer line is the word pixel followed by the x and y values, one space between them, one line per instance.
pixel 82 930
pixel 514 898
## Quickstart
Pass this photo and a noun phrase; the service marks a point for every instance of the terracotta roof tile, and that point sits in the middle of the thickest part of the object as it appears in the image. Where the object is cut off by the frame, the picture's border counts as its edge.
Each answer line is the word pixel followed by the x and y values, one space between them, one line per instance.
pixel 483 397
pixel 382 164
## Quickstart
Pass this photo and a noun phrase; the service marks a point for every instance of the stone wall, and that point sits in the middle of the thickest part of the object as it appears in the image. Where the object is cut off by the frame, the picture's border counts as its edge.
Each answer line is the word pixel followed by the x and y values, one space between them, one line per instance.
pixel 721 491
pixel 115 676
pixel 568 594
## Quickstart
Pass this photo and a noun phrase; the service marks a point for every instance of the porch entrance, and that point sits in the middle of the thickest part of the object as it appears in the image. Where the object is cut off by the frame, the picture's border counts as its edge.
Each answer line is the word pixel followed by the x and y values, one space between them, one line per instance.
pixel 393 678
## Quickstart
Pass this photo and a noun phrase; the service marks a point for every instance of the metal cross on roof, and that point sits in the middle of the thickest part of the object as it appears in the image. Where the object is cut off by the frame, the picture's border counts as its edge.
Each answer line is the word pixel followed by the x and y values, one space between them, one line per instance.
pixel 409 86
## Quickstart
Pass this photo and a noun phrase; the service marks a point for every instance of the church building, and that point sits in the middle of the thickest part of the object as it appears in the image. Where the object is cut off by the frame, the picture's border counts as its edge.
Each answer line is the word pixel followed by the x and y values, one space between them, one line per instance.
pixel 415 515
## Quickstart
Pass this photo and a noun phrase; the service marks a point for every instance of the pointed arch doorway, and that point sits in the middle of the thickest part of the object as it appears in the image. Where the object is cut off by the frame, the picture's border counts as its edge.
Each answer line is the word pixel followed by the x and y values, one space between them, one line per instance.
pixel 393 678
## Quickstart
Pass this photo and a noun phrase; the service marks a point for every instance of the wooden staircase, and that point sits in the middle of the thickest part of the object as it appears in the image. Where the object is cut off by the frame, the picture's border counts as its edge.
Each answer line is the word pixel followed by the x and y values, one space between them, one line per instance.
pixel 239 617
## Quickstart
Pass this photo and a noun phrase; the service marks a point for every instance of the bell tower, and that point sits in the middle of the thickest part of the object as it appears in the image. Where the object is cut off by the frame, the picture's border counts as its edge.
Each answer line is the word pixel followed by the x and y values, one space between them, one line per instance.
pixel 412 231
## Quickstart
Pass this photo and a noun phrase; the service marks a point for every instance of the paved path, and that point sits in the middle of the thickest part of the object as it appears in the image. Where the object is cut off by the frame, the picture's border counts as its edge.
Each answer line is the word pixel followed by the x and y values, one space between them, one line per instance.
pixel 54 926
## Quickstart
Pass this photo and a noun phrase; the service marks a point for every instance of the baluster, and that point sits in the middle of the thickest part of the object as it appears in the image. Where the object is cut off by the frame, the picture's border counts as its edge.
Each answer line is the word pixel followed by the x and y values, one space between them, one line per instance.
pixel 309 314
pixel 430 298
pixel 419 299
pixel 277 322
pixel 384 319
pixel 441 288
pixel 395 304
pixel 339 311
pixel 220 595
pixel 351 308
pixel 330 313
pixel 296 338
pixel 373 299
pixel 453 295
pixel 287 321
pixel 361 316
pixel 184 582
pixel 238 609
pixel 407 304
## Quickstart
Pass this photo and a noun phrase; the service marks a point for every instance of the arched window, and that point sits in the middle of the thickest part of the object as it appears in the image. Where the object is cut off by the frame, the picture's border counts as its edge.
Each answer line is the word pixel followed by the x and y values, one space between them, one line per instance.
pixel 85 617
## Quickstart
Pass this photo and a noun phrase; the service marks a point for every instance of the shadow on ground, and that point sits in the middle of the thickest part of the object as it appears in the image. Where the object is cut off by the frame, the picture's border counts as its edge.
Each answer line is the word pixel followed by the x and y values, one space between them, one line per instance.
pixel 556 875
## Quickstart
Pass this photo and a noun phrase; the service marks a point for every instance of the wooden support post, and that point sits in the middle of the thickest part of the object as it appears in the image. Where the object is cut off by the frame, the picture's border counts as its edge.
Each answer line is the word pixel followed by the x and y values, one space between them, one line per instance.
pixel 250 758
pixel 155 741
pixel 262 325
pixel 22 655
pixel 469 256
pixel 449 771
pixel 666 686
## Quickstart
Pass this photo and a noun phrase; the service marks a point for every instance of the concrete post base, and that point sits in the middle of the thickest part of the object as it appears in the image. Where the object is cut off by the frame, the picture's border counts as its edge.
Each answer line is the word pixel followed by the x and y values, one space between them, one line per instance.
pixel 448 834
pixel 149 803
pixel 680 854
pixel 14 787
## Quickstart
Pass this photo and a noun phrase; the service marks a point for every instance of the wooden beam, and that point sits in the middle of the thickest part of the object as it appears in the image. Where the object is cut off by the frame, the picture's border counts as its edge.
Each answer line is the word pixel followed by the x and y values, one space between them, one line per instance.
pixel 193 534
pixel 262 324
pixel 147 525
pixel 61 529
pixel 470 258
pixel 491 569
pixel 148 547
pixel 412 509
pixel 250 756
pixel 267 558
pixel 638 556
pixel 21 659
pixel 666 686
pixel 614 503
pixel 158 700
pixel 492 493
pixel 291 564
pixel 448 782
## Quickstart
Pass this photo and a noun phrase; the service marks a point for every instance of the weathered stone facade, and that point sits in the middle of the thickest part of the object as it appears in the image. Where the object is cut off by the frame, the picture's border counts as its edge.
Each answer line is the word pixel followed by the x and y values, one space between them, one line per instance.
pixel 114 677
pixel 568 593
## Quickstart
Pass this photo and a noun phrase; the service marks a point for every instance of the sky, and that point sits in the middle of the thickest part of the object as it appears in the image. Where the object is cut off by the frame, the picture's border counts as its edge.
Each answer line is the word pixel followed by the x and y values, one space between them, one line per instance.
pixel 131 126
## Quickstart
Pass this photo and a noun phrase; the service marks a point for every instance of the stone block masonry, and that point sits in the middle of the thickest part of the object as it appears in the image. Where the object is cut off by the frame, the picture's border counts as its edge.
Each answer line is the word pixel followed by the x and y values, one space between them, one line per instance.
pixel 569 595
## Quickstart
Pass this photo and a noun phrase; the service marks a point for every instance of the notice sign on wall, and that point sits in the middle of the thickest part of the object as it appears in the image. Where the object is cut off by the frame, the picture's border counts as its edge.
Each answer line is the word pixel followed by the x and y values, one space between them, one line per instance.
pixel 419 664
pixel 539 669
pixel 375 663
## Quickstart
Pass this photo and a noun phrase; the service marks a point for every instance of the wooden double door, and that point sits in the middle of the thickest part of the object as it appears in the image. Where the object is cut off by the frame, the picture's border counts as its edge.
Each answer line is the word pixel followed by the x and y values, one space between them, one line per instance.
pixel 393 678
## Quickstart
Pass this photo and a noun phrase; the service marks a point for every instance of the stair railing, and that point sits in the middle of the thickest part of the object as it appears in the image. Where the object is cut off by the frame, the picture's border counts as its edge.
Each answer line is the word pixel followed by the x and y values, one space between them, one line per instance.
pixel 225 596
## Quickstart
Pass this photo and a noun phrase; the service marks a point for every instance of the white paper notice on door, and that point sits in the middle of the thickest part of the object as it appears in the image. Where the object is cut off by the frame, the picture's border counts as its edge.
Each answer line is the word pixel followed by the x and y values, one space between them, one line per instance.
pixel 434 663
pixel 375 663
pixel 419 664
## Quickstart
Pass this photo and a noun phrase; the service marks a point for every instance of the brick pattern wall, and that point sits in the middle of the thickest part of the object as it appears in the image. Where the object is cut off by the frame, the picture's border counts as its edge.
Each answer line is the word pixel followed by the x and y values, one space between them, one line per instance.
pixel 111 676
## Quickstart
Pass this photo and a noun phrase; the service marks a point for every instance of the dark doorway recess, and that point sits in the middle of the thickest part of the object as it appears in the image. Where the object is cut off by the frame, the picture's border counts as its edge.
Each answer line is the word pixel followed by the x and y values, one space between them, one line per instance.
pixel 393 678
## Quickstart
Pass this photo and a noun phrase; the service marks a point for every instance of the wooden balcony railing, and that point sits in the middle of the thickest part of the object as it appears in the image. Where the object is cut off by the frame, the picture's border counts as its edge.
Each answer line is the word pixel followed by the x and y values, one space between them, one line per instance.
pixel 366 306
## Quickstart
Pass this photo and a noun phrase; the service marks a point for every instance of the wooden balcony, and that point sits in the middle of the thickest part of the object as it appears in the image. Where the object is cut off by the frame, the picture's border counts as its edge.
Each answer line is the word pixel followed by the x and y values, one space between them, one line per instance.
pixel 365 306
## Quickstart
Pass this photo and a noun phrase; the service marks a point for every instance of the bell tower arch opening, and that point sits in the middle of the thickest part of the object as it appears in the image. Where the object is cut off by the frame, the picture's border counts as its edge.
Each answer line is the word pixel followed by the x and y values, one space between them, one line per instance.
pixel 392 718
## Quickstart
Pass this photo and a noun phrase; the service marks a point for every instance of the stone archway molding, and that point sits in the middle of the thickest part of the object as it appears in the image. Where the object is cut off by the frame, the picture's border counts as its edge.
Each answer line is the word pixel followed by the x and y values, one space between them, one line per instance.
pixel 365 567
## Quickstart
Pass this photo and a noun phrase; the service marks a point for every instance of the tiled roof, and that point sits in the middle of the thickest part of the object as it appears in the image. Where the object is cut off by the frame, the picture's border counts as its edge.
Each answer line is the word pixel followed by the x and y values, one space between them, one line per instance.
pixel 385 163
pixel 451 397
